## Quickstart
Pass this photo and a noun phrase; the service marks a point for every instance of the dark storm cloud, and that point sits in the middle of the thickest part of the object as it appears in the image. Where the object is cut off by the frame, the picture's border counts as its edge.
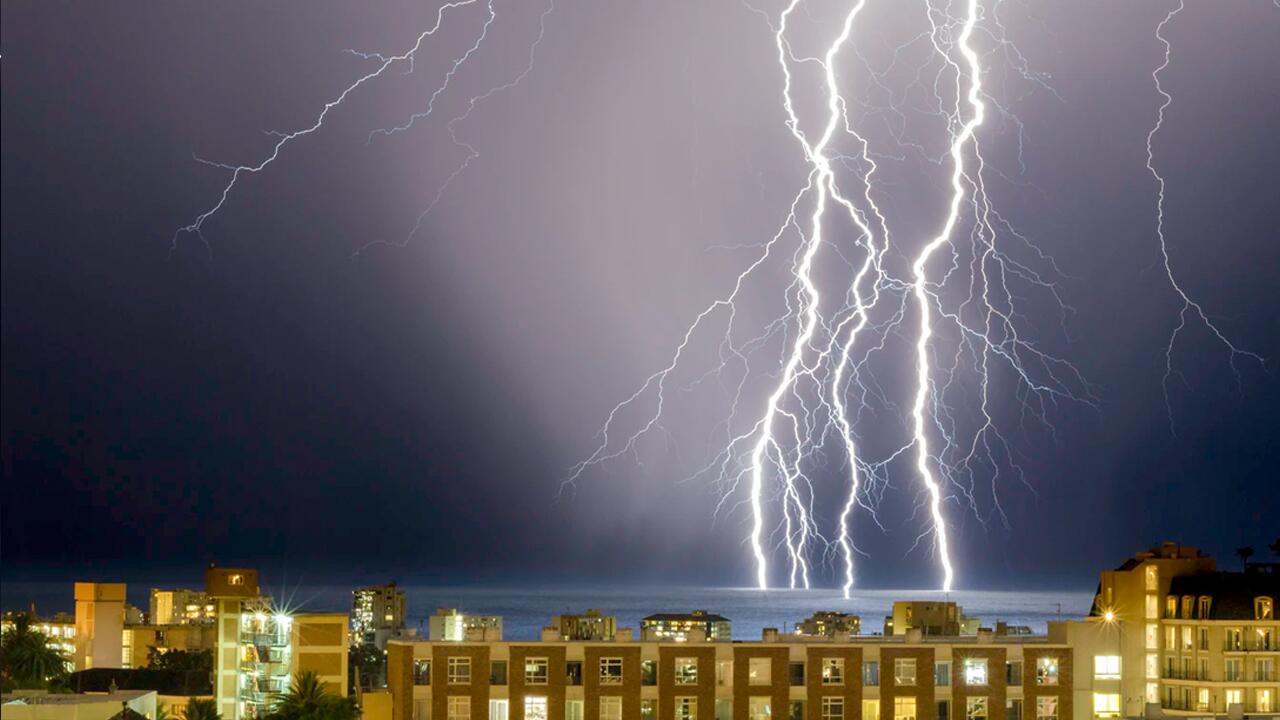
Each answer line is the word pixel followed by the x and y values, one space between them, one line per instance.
pixel 414 409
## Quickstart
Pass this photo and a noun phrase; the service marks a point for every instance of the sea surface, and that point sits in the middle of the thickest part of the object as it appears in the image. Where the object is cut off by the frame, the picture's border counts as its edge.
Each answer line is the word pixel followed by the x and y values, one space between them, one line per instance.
pixel 526 610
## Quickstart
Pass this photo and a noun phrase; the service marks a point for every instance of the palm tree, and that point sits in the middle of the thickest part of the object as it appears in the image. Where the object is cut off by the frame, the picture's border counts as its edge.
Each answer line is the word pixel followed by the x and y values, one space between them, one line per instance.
pixel 1244 553
pixel 202 709
pixel 309 699
pixel 162 712
pixel 27 659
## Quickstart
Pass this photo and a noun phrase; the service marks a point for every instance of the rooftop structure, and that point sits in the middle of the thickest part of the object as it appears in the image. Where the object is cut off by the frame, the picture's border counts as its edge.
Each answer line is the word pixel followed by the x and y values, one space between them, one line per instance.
pixel 452 625
pixel 591 625
pixel 683 627
pixel 826 623
pixel 377 613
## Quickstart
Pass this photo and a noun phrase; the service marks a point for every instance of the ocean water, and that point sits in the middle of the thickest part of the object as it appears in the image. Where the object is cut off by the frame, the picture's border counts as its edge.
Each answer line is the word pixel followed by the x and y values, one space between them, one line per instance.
pixel 526 610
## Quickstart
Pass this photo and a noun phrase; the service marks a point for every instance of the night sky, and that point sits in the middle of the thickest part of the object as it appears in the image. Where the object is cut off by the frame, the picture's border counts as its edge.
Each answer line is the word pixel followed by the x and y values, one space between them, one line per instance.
pixel 273 400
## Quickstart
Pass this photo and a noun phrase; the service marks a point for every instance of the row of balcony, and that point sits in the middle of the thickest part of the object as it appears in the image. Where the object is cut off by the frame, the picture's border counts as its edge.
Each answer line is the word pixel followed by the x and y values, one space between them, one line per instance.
pixel 1256 676
pixel 1216 708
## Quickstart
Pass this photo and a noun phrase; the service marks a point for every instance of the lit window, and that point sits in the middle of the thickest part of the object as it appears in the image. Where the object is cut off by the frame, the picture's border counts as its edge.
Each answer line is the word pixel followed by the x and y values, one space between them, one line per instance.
pixel 1047 670
pixel 1153 692
pixel 536 671
pixel 1171 606
pixel 904 672
pixel 975 671
pixel 535 708
pixel 758 709
pixel 610 707
pixel 1233 639
pixel 1202 699
pixel 1106 705
pixel 1263 700
pixel 1152 578
pixel 1264 608
pixel 1046 707
pixel 1235 697
pixel 833 671
pixel 904 708
pixel 498 709
pixel 1153 607
pixel 1152 666
pixel 1106 667
pixel 870 709
pixel 1204 607
pixel 832 708
pixel 686 708
pixel 975 708
pixel 758 671
pixel 1186 638
pixel 1170 638
pixel 611 671
pixel 1153 636
pixel 648 709
pixel 686 671
pixel 572 710
pixel 1187 603
pixel 460 672
pixel 459 707
pixel 236 579
pixel 421 672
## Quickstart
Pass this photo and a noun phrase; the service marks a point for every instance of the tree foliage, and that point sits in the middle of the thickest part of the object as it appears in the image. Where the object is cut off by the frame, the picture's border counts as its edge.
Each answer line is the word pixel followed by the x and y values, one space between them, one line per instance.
pixel 27 660
pixel 310 699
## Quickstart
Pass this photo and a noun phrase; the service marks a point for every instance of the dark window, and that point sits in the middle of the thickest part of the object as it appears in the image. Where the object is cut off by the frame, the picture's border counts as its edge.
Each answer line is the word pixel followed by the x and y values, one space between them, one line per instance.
pixel 1013 710
pixel 498 672
pixel 573 672
pixel 944 710
pixel 870 674
pixel 797 709
pixel 1013 674
pixel 797 674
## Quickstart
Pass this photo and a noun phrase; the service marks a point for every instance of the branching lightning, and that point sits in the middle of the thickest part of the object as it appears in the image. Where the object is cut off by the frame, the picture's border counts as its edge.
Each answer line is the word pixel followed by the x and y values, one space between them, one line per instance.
pixel 866 293
pixel 1189 306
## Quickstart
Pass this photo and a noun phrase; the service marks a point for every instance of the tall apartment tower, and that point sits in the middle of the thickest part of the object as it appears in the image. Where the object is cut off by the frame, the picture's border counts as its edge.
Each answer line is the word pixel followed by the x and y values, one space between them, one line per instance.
pixel 377 613
pixel 232 591
pixel 99 625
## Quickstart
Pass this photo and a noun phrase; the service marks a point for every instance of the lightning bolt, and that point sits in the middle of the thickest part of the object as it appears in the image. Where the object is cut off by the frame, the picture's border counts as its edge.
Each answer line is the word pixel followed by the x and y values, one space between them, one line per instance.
pixel 1189 306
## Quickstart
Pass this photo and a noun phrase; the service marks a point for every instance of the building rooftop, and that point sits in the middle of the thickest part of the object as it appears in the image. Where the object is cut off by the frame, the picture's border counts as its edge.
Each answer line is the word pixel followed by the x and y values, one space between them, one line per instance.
pixel 1233 593
pixel 141 680
pixel 695 616
pixel 45 698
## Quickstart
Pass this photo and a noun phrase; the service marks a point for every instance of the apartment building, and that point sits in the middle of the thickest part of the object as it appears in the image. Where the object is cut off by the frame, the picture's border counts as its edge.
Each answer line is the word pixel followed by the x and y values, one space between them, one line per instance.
pixel 453 625
pixel 138 640
pixel 1168 629
pixel 680 627
pixel 259 648
pixel 827 623
pixel 910 677
pixel 59 630
pixel 377 613
pixel 100 617
pixel 181 607
pixel 591 625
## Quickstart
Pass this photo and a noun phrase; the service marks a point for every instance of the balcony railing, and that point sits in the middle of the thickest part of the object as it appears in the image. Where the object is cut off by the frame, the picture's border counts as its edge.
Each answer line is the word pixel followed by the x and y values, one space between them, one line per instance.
pixel 1176 674
pixel 1264 645
pixel 1217 708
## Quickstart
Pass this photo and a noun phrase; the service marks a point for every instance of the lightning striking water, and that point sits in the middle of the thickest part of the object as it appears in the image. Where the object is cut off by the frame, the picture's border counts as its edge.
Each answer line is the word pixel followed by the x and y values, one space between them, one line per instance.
pixel 831 343
pixel 865 294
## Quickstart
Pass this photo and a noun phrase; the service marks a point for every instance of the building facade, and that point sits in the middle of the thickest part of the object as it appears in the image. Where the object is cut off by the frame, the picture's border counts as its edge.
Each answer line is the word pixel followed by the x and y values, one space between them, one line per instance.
pixel 59 631
pixel 680 627
pixel 452 625
pixel 1168 629
pixel 181 607
pixel 911 677
pixel 377 613
pixel 591 625
pixel 99 636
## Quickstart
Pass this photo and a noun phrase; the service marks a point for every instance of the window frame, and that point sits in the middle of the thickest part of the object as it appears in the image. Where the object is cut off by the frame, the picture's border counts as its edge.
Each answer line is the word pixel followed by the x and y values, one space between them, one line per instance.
pixel 686 671
pixel 969 667
pixel 829 702
pixel 607 674
pixel 453 670
pixel 531 673
pixel 832 671
pixel 899 677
